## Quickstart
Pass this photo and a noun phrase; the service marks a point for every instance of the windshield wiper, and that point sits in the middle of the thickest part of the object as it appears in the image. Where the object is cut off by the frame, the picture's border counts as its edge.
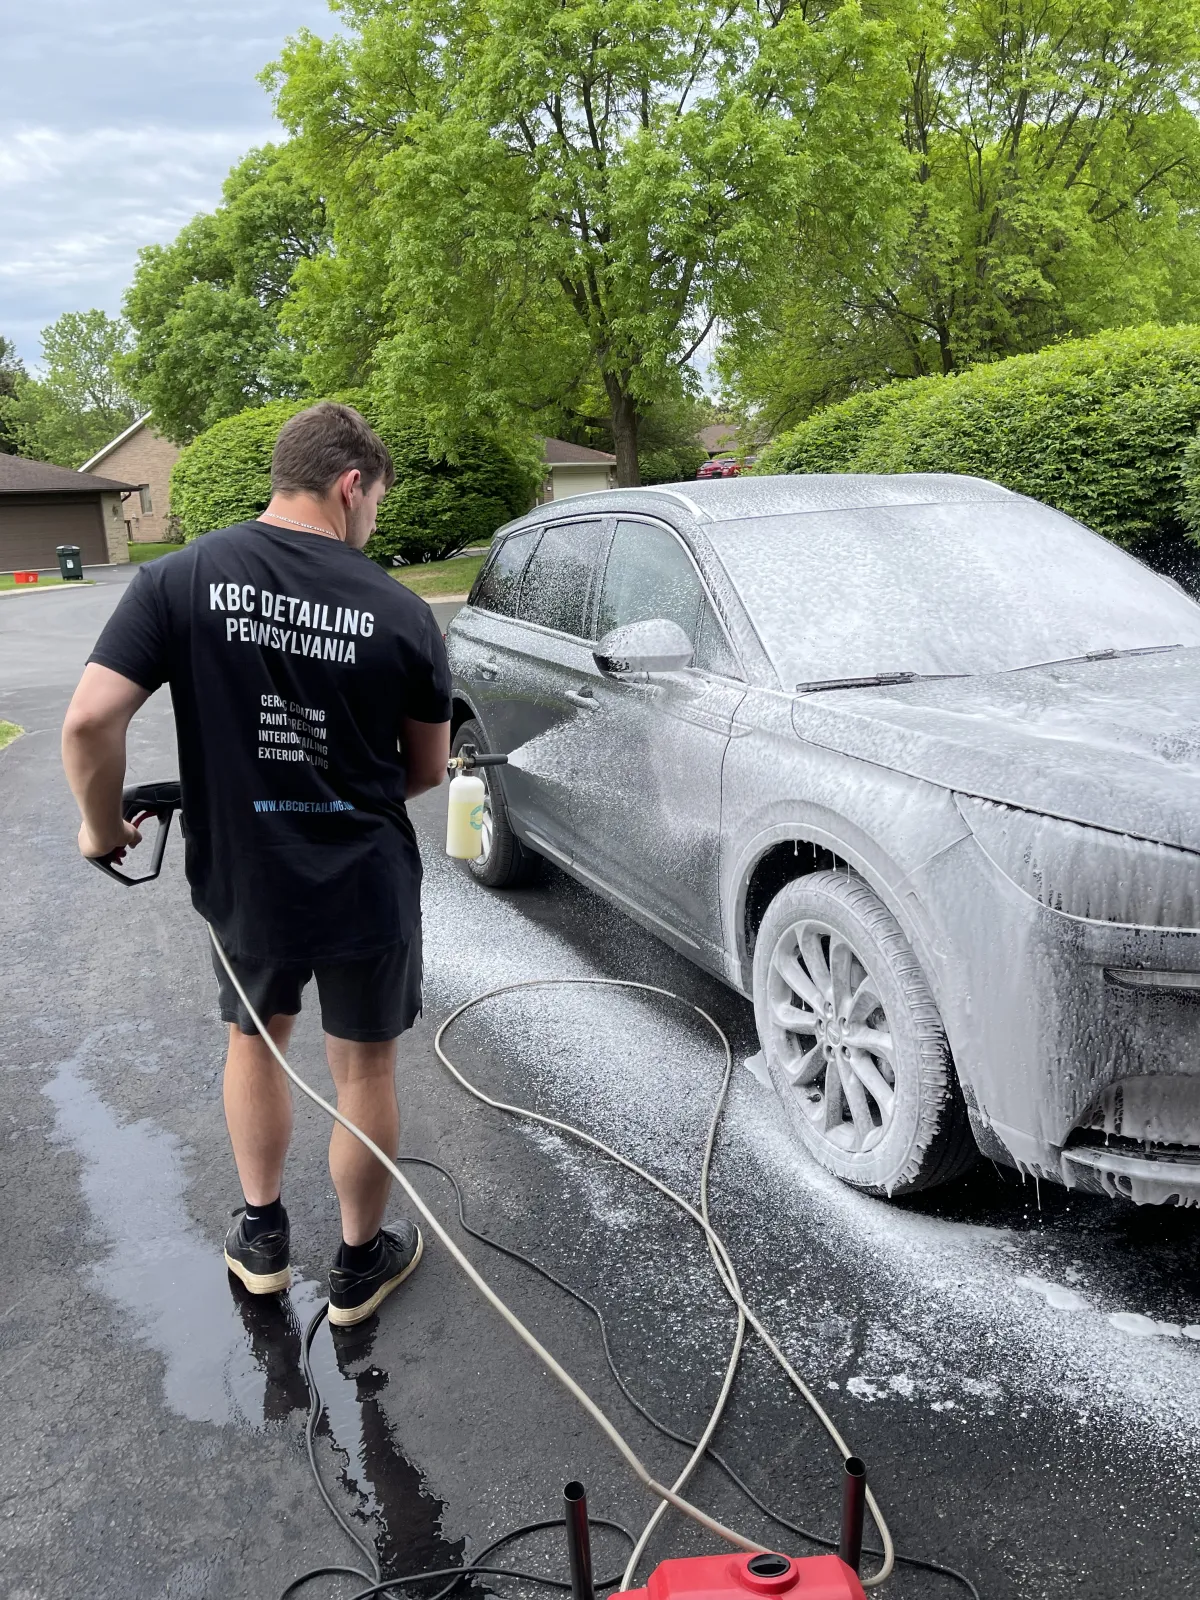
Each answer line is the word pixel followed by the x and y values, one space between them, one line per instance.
pixel 877 680
pixel 1099 655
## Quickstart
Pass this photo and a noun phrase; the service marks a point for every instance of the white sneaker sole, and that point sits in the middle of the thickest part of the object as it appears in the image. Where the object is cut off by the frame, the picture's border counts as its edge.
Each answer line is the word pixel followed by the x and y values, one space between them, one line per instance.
pixel 260 1282
pixel 346 1317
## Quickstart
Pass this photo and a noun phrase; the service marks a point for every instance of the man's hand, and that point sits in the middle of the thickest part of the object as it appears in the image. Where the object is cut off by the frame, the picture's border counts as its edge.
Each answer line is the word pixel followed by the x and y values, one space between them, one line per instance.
pixel 95 846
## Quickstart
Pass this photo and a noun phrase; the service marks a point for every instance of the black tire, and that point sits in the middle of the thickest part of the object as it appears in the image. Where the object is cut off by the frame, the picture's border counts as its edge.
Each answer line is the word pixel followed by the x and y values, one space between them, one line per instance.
pixel 507 863
pixel 887 1135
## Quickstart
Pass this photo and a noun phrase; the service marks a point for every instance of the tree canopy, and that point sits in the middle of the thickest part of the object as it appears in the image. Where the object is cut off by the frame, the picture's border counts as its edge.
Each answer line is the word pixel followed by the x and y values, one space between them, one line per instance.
pixel 205 308
pixel 568 193
pixel 1053 155
pixel 79 403
pixel 12 370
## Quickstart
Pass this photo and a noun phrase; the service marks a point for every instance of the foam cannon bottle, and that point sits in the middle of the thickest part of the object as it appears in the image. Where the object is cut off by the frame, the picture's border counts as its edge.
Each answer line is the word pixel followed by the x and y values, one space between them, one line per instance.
pixel 468 794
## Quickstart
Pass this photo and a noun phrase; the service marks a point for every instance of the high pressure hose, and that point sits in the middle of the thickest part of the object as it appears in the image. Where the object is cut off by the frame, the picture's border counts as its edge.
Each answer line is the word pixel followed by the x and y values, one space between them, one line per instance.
pixel 724 1265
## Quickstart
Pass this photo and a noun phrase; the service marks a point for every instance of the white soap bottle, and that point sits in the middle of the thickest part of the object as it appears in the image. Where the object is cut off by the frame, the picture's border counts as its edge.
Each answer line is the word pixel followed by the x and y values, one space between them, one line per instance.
pixel 464 817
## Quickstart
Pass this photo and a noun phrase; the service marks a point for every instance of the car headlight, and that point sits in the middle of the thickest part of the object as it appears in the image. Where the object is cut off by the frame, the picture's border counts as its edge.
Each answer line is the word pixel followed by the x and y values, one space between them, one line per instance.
pixel 1087 872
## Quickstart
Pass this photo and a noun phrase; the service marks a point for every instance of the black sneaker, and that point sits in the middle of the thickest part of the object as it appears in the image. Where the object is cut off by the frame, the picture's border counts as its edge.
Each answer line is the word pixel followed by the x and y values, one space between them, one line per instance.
pixel 262 1263
pixel 353 1296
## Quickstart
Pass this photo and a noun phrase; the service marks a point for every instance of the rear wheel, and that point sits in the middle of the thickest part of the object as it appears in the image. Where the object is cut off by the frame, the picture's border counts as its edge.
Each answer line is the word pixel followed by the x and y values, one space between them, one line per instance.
pixel 505 863
pixel 853 1039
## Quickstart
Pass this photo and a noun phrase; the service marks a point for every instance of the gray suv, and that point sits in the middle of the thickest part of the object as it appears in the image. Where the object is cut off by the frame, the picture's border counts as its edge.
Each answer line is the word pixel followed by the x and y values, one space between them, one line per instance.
pixel 914 763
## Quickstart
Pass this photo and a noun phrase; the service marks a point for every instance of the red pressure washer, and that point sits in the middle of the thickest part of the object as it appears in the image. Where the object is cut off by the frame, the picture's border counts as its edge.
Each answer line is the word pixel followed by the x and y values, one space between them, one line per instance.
pixel 736 1577
pixel 767 1576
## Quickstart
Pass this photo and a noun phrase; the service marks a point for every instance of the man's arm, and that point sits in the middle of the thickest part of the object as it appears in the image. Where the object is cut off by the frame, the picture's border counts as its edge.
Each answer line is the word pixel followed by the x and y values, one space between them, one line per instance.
pixel 426 748
pixel 93 750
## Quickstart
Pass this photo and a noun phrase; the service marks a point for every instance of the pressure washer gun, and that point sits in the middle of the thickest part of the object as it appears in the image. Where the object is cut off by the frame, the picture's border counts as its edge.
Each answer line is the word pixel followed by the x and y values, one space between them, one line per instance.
pixel 739 1576
pixel 138 804
pixel 466 812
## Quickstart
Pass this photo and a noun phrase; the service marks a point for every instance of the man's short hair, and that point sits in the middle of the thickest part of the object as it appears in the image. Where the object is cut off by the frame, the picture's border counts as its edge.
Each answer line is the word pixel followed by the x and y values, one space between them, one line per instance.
pixel 316 446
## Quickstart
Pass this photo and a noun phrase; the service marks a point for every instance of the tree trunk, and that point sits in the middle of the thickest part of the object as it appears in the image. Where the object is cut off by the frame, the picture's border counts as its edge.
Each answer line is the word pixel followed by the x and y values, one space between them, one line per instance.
pixel 624 417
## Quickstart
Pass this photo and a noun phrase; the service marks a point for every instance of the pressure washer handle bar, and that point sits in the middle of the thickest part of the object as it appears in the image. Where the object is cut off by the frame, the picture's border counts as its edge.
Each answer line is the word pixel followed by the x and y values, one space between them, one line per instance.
pixel 160 800
pixel 468 758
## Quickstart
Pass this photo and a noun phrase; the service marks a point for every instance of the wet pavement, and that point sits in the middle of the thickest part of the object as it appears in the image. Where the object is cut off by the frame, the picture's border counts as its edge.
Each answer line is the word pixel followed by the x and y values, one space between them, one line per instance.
pixel 1020 1370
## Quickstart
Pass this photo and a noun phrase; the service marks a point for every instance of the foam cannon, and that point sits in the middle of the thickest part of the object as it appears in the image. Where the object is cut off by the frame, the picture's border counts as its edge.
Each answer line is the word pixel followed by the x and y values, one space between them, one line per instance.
pixel 467 802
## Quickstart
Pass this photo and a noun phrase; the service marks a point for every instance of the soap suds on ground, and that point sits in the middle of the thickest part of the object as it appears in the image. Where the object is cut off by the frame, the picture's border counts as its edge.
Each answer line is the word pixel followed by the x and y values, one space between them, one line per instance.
pixel 955 1316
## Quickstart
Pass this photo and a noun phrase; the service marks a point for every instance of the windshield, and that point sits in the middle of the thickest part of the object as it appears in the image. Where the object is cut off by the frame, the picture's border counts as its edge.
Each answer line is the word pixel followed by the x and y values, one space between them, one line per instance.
pixel 985 586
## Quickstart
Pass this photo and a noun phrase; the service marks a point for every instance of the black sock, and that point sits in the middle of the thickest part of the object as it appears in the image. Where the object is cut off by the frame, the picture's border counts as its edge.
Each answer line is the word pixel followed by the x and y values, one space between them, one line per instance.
pixel 263 1219
pixel 357 1257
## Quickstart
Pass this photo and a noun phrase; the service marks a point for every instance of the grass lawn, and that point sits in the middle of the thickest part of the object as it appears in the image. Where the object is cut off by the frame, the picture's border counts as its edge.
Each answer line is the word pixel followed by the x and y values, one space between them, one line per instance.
pixel 430 579
pixel 7 581
pixel 150 552
pixel 8 732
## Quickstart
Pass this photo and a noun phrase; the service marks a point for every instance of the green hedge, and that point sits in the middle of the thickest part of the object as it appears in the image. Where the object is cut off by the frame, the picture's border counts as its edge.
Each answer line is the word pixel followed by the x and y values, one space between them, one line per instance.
pixel 436 506
pixel 1098 427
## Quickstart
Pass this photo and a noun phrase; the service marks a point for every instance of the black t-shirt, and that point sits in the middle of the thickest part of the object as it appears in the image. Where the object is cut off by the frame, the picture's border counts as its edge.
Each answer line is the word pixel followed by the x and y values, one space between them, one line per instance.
pixel 292 660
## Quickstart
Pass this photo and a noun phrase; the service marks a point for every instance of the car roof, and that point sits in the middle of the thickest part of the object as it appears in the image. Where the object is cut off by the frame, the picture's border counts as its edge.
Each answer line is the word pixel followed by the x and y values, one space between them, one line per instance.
pixel 783 494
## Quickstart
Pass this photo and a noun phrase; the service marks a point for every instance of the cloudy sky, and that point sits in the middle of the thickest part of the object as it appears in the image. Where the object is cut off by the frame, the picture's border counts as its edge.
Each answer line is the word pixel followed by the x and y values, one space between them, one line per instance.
pixel 118 121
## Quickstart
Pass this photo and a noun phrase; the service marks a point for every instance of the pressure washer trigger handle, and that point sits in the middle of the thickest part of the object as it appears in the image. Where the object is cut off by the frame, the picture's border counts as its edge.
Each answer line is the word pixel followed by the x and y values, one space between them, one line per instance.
pixel 142 800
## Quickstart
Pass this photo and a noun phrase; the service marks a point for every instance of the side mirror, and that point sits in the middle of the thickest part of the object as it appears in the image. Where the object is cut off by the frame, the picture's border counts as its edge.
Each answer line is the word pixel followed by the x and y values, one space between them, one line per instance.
pixel 652 646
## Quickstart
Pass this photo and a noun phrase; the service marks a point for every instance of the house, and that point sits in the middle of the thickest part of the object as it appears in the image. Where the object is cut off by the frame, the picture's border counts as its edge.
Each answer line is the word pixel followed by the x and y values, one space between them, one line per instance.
pixel 575 469
pixel 145 458
pixel 42 506
pixel 718 439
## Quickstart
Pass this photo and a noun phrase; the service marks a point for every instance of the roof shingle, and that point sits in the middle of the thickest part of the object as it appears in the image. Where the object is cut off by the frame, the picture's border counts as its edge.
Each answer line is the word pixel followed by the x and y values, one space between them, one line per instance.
pixel 18 475
pixel 558 453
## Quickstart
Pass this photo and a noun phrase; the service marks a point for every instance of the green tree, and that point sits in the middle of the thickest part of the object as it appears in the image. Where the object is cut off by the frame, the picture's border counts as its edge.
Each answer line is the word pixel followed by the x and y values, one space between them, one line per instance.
pixel 80 402
pixel 542 197
pixel 205 309
pixel 12 370
pixel 1053 155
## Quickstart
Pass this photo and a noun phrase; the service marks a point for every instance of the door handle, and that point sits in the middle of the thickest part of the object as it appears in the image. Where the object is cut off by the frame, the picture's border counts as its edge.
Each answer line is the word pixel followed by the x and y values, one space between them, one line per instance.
pixel 488 669
pixel 584 698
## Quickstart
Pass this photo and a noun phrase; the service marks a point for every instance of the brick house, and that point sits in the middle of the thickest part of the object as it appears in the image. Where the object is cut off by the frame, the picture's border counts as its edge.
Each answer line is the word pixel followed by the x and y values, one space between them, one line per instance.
pixel 143 457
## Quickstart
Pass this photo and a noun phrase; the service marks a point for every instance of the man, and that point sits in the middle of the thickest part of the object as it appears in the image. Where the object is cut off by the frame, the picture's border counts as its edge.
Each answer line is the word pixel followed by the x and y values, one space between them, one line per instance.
pixel 312 698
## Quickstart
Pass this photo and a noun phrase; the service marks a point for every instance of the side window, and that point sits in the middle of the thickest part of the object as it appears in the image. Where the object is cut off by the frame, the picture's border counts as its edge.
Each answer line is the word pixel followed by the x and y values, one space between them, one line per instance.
pixel 500 581
pixel 648 575
pixel 713 653
pixel 558 578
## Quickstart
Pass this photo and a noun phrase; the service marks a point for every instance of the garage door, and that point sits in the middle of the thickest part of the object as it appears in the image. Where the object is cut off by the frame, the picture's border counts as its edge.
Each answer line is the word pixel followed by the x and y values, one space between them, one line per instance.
pixel 29 532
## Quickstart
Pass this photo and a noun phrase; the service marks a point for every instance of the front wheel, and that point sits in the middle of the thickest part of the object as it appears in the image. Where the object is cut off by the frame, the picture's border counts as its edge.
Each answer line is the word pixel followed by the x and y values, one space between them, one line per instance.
pixel 504 862
pixel 853 1039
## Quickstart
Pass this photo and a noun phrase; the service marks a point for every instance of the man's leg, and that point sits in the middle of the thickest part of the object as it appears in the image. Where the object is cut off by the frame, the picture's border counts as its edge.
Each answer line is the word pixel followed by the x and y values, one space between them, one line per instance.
pixel 365 1078
pixel 258 1110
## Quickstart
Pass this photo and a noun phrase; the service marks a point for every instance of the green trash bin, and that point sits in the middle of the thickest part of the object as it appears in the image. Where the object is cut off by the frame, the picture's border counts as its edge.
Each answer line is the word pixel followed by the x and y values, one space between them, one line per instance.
pixel 69 563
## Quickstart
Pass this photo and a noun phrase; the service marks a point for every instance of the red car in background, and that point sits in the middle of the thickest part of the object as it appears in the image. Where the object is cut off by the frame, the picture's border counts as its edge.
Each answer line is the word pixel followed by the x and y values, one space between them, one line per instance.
pixel 720 467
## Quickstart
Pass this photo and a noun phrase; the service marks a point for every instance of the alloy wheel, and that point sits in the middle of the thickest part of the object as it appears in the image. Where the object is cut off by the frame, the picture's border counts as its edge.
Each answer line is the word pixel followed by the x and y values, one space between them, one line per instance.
pixel 832 1037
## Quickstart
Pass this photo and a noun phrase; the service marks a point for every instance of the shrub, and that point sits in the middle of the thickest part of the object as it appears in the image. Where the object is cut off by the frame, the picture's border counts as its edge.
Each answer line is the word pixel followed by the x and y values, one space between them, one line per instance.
pixel 1097 427
pixel 436 506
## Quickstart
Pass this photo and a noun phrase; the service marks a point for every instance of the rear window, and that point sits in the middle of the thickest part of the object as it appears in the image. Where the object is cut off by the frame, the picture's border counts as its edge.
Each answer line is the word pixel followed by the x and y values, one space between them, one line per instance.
pixel 499 584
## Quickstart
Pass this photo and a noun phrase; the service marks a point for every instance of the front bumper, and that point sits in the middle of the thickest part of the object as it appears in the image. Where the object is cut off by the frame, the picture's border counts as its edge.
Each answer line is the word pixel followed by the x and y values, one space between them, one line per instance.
pixel 1153 1179
pixel 1048 1013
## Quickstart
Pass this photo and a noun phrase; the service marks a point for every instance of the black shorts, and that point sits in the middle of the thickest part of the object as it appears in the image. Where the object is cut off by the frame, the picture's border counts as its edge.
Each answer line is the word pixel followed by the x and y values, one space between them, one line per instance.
pixel 368 1000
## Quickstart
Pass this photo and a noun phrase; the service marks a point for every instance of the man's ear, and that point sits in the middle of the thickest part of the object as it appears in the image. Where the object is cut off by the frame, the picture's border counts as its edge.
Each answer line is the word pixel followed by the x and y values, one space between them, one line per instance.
pixel 349 482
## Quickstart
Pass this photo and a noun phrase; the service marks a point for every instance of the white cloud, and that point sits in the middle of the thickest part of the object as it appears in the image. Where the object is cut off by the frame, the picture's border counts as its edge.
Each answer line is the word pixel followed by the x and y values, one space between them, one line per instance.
pixel 117 124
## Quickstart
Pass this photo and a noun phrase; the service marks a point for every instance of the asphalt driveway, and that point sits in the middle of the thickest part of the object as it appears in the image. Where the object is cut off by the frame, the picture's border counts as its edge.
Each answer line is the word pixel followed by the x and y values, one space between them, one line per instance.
pixel 1021 1371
